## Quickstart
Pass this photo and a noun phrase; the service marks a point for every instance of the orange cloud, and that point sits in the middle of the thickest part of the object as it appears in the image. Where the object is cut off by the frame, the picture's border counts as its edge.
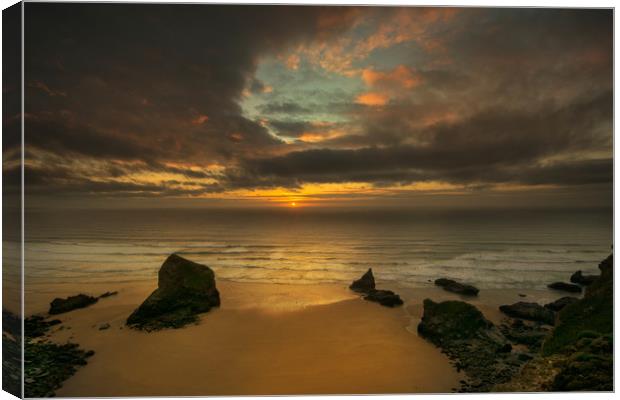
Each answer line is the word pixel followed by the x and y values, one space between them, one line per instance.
pixel 372 99
pixel 292 61
pixel 401 76
pixel 315 137
pixel 201 119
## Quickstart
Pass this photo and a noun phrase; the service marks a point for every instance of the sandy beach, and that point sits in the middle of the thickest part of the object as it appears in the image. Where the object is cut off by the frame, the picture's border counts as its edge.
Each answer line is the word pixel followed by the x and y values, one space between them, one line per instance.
pixel 264 339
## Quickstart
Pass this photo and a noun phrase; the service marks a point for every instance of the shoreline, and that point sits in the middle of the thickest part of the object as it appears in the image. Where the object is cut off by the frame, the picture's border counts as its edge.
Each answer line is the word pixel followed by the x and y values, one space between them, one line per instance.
pixel 324 340
pixel 265 339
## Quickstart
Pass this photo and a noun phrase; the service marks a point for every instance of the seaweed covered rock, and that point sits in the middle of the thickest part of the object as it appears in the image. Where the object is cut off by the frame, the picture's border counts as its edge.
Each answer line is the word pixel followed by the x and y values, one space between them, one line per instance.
pixel 11 353
pixel 60 305
pixel 530 334
pixel 589 368
pixel 384 297
pixel 185 289
pixel 37 326
pixel 472 342
pixel 47 365
pixel 594 312
pixel 581 279
pixel 456 287
pixel 560 303
pixel 578 354
pixel 566 287
pixel 365 284
pixel 530 311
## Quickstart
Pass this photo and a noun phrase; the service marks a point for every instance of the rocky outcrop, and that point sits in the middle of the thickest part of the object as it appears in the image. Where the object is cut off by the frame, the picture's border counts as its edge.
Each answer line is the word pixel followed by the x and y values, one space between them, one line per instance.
pixel 48 365
pixel 185 289
pixel 581 279
pixel 472 342
pixel 566 287
pixel 530 311
pixel 578 352
pixel 37 326
pixel 384 297
pixel 560 303
pixel 452 320
pixel 59 305
pixel 365 284
pixel 530 334
pixel 456 287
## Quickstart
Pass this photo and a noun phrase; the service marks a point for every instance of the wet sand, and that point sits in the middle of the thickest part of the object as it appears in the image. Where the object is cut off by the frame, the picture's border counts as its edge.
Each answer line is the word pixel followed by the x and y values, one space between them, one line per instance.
pixel 264 339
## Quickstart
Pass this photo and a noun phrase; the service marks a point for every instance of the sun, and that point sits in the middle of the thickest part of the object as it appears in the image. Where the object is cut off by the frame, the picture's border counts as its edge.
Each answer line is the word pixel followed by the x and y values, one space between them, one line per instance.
pixel 293 204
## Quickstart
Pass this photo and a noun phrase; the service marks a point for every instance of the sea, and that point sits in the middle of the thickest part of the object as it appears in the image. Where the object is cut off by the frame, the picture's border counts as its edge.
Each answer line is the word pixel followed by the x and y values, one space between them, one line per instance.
pixel 492 248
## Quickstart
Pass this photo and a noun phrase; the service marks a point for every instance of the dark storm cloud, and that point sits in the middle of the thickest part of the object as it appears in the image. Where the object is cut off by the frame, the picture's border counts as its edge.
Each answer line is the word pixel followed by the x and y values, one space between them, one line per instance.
pixel 517 96
pixel 166 76
pixel 290 128
pixel 491 146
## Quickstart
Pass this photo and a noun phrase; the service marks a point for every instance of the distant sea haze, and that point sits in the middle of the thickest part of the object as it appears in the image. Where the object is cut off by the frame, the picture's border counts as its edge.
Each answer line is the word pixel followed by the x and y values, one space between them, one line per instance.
pixel 491 249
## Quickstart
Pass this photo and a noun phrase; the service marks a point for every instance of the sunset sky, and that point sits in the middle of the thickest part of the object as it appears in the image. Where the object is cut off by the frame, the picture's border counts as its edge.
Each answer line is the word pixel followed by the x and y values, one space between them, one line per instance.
pixel 321 106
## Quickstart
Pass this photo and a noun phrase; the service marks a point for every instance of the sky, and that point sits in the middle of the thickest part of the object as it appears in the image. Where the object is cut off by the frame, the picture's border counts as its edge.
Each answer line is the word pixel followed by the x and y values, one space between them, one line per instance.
pixel 179 105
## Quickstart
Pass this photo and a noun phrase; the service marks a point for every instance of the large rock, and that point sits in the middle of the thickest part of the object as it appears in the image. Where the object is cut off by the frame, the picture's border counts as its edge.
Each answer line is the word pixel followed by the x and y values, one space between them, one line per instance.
pixel 531 311
pixel 566 287
pixel 581 279
pixel 185 289
pixel 456 287
pixel 450 320
pixel 365 284
pixel 561 303
pixel 471 341
pixel 384 297
pixel 59 305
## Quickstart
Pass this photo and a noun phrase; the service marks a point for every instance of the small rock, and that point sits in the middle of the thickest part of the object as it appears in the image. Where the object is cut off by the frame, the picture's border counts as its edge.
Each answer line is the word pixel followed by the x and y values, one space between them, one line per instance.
pixel 560 303
pixel 580 278
pixel 59 305
pixel 384 297
pixel 365 284
pixel 104 326
pixel 567 287
pixel 531 311
pixel 456 287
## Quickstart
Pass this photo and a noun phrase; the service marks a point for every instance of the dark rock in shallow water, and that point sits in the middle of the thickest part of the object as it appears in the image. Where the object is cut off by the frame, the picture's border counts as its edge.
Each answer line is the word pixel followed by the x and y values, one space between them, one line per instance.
pixel 365 284
pixel 561 303
pixel 581 279
pixel 456 287
pixel 59 306
pixel 384 297
pixel 108 294
pixel 531 311
pixel 185 289
pixel 103 327
pixel 567 287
